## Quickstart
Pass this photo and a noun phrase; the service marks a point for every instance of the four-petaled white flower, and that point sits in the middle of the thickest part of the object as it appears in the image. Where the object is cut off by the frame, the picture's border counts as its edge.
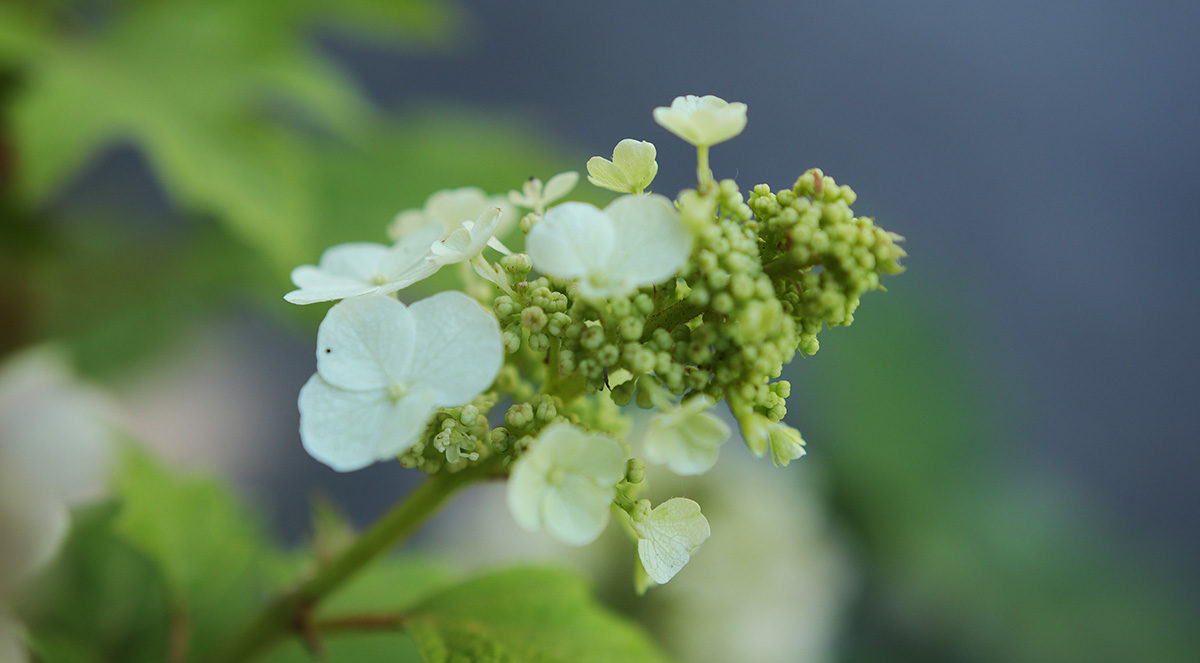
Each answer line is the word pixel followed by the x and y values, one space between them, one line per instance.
pixel 366 268
pixel 688 438
pixel 668 535
pixel 382 369
pixel 534 196
pixel 638 240
pixel 565 482
pixel 449 208
pixel 702 121
pixel 631 170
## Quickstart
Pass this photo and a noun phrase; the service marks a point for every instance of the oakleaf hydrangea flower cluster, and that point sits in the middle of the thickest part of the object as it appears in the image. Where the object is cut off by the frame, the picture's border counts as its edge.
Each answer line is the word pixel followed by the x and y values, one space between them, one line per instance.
pixel 671 305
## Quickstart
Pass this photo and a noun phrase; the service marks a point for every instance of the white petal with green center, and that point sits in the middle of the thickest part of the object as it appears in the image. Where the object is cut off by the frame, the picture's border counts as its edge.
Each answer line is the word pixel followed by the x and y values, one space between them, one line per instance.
pixel 458 350
pixel 565 482
pixel 468 240
pixel 365 343
pixel 348 430
pixel 572 240
pixel 687 439
pixel 668 536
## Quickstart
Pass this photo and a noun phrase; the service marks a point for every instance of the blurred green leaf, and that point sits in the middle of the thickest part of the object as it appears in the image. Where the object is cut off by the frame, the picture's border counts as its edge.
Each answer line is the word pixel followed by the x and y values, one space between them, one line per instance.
pixel 193 84
pixel 525 615
pixel 101 600
pixel 213 555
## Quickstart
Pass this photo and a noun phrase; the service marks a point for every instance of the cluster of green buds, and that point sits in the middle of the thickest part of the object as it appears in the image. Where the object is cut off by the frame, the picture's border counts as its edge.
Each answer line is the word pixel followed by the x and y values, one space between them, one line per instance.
pixel 670 305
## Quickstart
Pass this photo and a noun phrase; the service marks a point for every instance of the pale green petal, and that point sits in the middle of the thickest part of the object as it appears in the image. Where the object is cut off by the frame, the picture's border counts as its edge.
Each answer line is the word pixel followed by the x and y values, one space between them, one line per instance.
pixel 348 430
pixel 652 242
pixel 458 349
pixel 706 120
pixel 687 439
pixel 604 174
pixel 363 261
pixel 669 535
pixel 576 510
pixel 636 160
pixel 559 186
pixel 365 343
pixel 33 523
pixel 410 257
pixel 596 456
pixel 572 240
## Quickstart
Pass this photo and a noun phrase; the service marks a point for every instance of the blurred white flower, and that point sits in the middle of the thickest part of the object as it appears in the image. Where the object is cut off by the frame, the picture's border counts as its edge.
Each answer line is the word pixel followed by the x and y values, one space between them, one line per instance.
pixel 702 121
pixel 668 535
pixel 382 369
pixel 565 482
pixel 449 208
pixel 534 196
pixel 638 240
pixel 631 170
pixel 12 649
pixel 366 268
pixel 54 447
pixel 687 438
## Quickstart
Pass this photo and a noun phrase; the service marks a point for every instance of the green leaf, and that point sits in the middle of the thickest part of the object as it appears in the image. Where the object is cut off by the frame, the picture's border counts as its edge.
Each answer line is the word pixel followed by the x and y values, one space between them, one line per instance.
pixel 101 600
pixel 211 552
pixel 527 615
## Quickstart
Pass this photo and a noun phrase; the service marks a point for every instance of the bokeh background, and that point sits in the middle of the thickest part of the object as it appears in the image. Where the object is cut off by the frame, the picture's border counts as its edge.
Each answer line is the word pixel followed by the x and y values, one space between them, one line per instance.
pixel 1002 449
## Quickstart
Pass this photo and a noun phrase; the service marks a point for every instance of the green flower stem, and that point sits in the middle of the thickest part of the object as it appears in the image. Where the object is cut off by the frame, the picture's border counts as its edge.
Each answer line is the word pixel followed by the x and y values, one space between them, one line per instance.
pixel 290 611
pixel 703 172
pixel 670 317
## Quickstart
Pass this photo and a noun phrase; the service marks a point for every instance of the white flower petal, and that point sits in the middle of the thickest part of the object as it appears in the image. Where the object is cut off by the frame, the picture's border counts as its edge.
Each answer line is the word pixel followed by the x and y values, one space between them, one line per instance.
pixel 669 535
pixel 348 430
pixel 458 350
pixel 594 455
pixel 572 240
pixel 364 261
pixel 576 510
pixel 687 439
pixel 411 253
pixel 314 285
pixel 559 186
pixel 652 240
pixel 365 343
pixel 527 489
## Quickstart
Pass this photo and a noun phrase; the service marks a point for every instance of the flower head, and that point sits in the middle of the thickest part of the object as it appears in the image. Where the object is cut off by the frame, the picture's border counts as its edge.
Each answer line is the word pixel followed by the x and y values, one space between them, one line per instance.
pixel 449 208
pixel 688 438
pixel 668 535
pixel 382 368
pixel 631 170
pixel 638 240
pixel 534 196
pixel 565 482
pixel 366 268
pixel 702 121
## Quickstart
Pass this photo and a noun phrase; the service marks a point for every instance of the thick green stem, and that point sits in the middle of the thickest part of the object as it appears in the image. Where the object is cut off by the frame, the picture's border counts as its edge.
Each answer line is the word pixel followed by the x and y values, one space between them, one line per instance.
pixel 670 317
pixel 285 614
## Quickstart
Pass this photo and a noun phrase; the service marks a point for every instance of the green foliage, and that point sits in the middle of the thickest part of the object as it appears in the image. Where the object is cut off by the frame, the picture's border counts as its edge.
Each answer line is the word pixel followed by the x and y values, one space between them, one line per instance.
pixel 526 615
pixel 220 96
pixel 101 600
pixel 212 555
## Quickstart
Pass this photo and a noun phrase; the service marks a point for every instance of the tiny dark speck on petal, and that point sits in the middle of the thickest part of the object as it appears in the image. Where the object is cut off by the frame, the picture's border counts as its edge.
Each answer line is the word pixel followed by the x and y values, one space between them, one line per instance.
pixel 328 350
